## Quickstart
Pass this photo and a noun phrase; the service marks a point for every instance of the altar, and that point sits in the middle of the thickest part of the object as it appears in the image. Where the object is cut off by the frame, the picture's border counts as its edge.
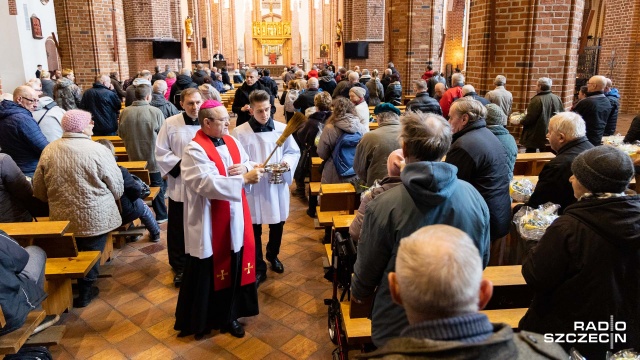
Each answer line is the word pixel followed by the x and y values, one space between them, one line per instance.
pixel 271 36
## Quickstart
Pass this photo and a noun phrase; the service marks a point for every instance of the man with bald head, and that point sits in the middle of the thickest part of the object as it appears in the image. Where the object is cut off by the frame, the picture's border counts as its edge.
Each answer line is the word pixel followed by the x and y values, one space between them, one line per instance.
pixel 439 91
pixel 595 109
pixel 438 281
pixel 103 104
pixel 20 136
pixel 305 99
pixel 354 81
pixel 470 91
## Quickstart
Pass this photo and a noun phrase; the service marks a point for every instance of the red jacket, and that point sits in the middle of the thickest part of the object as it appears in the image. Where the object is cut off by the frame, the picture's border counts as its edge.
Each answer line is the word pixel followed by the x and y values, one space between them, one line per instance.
pixel 427 75
pixel 313 73
pixel 448 98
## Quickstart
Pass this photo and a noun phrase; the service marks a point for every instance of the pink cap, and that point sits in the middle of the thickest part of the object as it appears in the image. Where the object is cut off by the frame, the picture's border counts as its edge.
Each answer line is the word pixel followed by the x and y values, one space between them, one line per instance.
pixel 209 104
pixel 75 120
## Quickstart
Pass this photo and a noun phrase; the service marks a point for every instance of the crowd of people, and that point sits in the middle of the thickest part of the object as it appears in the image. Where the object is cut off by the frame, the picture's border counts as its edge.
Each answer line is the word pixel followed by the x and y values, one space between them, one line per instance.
pixel 435 209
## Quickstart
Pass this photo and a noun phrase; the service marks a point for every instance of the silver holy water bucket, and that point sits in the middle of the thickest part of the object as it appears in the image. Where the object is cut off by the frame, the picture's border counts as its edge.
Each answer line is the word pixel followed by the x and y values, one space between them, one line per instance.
pixel 275 172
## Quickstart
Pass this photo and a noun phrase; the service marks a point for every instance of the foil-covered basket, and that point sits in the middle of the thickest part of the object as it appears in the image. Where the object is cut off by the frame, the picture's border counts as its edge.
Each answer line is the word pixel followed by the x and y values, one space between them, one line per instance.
pixel 275 172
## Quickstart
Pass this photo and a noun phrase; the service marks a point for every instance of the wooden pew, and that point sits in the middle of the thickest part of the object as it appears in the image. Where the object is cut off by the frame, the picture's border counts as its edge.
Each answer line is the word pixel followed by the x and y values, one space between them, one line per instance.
pixel 531 163
pixel 357 331
pixel 121 153
pixel 510 291
pixel 316 175
pixel 115 140
pixel 510 317
pixel 373 126
pixel 12 342
pixel 338 197
pixel 133 165
pixel 58 273
pixel 35 229
pixel 142 174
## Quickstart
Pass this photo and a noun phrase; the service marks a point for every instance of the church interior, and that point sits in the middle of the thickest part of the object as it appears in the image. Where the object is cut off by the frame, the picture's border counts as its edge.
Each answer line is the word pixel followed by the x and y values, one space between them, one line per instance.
pixel 568 41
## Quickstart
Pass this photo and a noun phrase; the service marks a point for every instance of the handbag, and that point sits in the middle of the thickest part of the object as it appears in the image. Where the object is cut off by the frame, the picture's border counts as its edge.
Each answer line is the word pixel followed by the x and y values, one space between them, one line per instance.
pixel 146 190
pixel 304 165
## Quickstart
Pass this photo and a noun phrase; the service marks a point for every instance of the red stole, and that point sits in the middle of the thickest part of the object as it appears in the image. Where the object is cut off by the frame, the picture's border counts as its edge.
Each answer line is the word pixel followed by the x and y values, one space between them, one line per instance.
pixel 221 222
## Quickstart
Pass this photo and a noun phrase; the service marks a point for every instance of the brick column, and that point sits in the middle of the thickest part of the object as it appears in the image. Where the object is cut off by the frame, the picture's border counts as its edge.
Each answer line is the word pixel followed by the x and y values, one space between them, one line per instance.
pixel 621 43
pixel 144 22
pixel 365 21
pixel 532 39
pixel 86 37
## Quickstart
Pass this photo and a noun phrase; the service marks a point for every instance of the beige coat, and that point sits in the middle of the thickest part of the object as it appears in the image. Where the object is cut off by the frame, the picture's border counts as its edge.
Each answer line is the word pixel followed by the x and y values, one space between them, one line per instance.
pixel 81 181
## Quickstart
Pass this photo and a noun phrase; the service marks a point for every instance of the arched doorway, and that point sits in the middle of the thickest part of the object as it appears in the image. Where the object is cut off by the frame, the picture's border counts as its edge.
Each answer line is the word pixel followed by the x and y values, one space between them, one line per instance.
pixel 53 59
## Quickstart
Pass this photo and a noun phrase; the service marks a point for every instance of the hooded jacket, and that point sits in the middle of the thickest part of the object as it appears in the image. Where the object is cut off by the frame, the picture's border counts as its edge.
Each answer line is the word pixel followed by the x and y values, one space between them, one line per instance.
pixel 595 109
pixel 393 93
pixel 482 161
pixel 585 268
pixel 18 294
pixel 104 106
pixel 182 82
pixel 327 83
pixel 49 120
pixel 198 77
pixel 348 123
pixel 370 162
pixel 67 94
pixel 553 182
pixel 20 136
pixel 430 194
pixel 424 103
pixel 242 98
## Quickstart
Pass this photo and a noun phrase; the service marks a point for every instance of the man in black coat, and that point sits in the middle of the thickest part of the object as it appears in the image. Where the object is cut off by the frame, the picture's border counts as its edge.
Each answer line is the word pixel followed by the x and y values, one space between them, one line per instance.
pixel 354 81
pixel 568 140
pixel 305 99
pixel 104 106
pixel 470 91
pixel 268 82
pixel 481 160
pixel 183 81
pixel 595 109
pixel 326 82
pixel 241 101
pixel 423 102
pixel 158 75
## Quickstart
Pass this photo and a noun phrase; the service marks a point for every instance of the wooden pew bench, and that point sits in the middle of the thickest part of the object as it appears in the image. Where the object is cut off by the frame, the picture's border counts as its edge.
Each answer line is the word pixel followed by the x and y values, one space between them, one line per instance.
pixel 531 163
pixel 133 165
pixel 121 153
pixel 12 342
pixel 115 140
pixel 510 317
pixel 316 175
pixel 338 197
pixel 59 272
pixel 357 331
pixel 510 291
pixel 314 188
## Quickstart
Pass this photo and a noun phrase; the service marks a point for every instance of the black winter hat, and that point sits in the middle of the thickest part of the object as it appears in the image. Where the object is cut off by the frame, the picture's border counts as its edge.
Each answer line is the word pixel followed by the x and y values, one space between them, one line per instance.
pixel 603 169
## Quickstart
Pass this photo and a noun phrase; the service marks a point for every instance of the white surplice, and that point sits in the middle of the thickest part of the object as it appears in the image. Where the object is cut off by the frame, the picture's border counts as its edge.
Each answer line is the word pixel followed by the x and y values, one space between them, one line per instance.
pixel 173 137
pixel 202 182
pixel 269 203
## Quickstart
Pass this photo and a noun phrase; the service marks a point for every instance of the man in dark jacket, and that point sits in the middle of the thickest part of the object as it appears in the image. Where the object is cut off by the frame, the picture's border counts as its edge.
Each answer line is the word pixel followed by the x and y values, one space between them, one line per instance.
pixel 22 284
pixel 470 91
pixel 158 100
pixel 20 136
pixel 481 161
pixel 117 85
pixel 305 99
pixel 268 82
pixel 225 77
pixel 431 83
pixel 354 81
pixel 241 102
pixel 443 270
pixel 183 81
pixel 541 108
pixel 567 138
pixel 585 266
pixel 199 75
pixel 423 102
pixel 326 82
pixel 429 194
pixel 104 106
pixel 595 109
pixel 614 98
pixel 143 78
pixel 158 75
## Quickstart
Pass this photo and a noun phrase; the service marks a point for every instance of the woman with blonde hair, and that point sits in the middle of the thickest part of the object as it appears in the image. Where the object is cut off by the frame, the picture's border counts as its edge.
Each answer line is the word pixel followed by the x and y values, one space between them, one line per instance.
pixel 171 79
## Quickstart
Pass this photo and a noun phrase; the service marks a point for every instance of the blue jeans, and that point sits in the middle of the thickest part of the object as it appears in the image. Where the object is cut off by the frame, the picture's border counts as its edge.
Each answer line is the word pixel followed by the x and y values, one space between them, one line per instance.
pixel 34 270
pixel 147 219
pixel 159 205
pixel 91 243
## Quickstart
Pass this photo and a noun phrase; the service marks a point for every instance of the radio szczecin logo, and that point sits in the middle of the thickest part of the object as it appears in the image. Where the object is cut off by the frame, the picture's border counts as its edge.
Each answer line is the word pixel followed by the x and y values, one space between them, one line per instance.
pixel 593 332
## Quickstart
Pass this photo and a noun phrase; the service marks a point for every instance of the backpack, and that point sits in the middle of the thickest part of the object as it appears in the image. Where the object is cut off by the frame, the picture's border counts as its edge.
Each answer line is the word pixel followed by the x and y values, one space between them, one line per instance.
pixel 345 152
pixel 292 95
pixel 48 107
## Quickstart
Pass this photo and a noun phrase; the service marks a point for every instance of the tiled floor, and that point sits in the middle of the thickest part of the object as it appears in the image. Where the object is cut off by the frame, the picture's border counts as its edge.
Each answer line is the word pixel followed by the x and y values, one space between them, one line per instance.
pixel 133 316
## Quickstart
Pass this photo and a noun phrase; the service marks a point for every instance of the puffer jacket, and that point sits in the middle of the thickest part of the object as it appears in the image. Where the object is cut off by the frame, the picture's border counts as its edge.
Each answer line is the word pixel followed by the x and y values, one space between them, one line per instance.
pixel 348 123
pixel 20 136
pixel 81 181
pixel 376 91
pixel 378 188
pixel 18 294
pixel 131 208
pixel 49 120
pixel 67 94
pixel 15 192
pixel 585 268
pixel 104 106
pixel 139 127
pixel 159 102
pixel 170 82
pixel 393 94
pixel 612 122
pixel 424 103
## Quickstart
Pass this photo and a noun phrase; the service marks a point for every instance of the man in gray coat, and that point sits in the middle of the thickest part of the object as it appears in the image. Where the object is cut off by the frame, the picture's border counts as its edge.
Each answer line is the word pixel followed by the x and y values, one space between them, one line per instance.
pixel 139 126
pixel 541 108
pixel 158 100
pixel 501 96
pixel 370 162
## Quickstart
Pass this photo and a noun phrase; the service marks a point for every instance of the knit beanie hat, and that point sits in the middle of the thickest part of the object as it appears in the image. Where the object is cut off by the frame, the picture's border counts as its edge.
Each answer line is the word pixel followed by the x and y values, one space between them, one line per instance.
pixel 394 162
pixel 495 115
pixel 358 91
pixel 75 120
pixel 603 169
pixel 386 107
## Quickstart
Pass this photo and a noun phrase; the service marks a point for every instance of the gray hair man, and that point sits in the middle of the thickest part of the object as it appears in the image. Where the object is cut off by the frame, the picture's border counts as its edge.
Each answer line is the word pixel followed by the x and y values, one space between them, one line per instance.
pixel 103 104
pixel 438 281
pixel 430 193
pixel 453 93
pixel 500 96
pixel 160 102
pixel 541 108
pixel 470 91
pixel 439 91
pixel 567 136
pixel 423 102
